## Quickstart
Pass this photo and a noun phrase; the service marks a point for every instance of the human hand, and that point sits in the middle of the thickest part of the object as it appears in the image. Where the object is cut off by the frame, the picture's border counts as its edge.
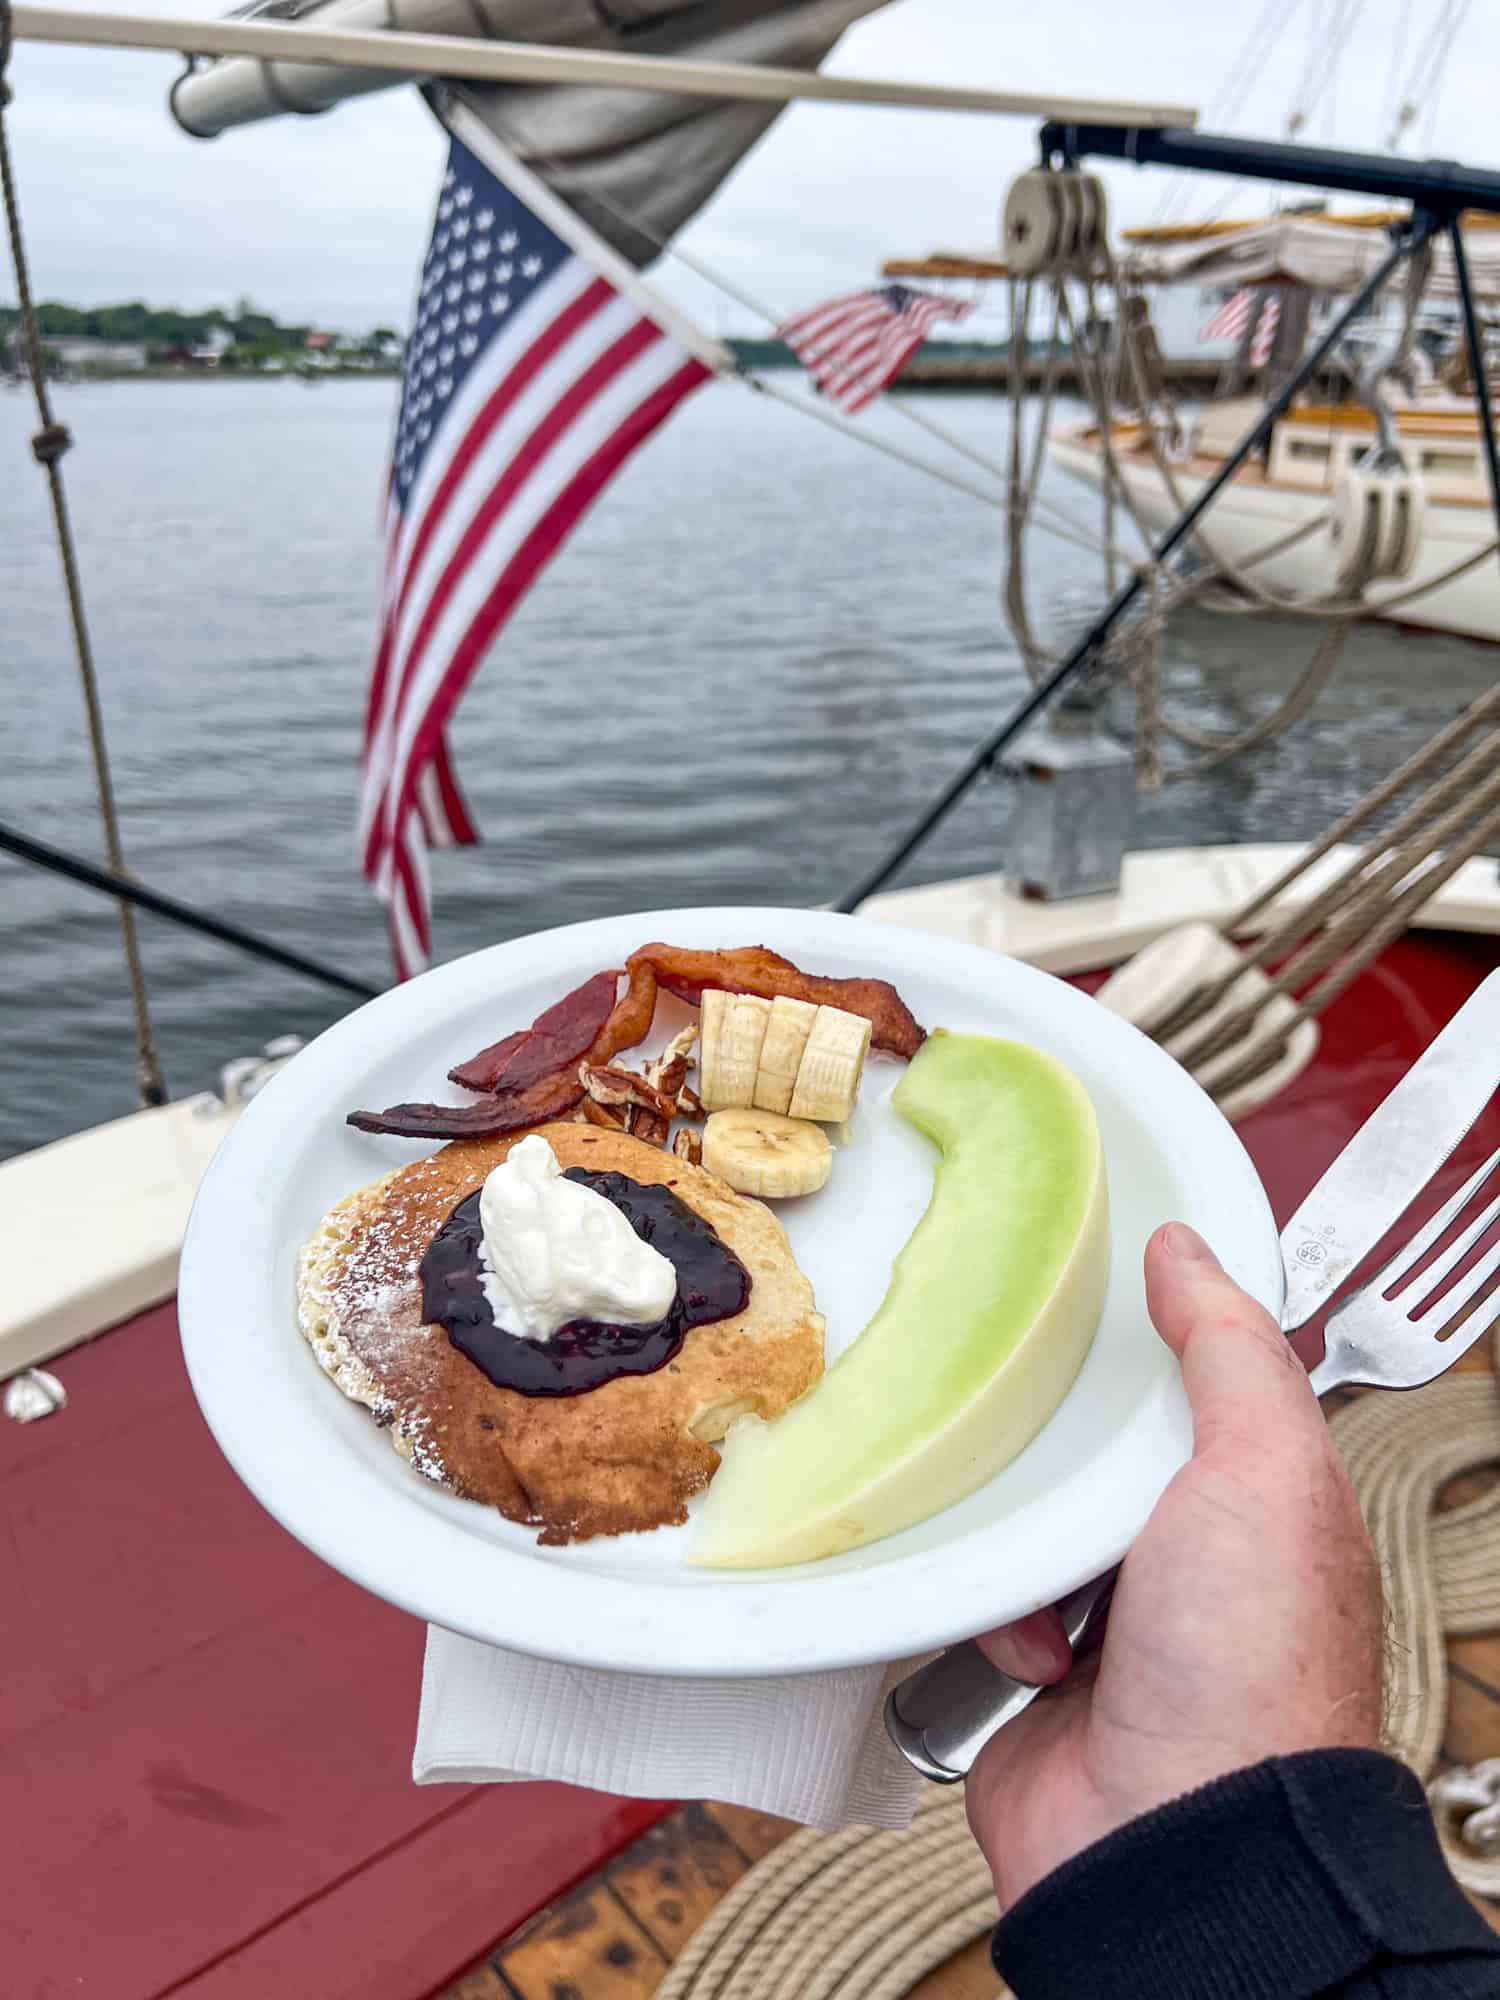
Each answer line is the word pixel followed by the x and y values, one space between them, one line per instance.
pixel 1246 1622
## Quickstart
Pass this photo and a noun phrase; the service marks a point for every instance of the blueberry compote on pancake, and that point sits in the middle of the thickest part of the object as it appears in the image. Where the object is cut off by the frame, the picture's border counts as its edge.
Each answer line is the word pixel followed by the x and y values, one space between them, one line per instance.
pixel 712 1284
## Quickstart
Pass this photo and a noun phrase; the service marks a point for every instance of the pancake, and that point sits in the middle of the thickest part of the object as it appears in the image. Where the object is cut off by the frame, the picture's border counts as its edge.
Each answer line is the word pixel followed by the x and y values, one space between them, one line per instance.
pixel 623 1457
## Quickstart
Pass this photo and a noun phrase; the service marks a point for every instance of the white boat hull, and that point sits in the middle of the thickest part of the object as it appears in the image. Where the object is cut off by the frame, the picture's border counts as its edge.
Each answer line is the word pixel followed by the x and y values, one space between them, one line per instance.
pixel 1246 517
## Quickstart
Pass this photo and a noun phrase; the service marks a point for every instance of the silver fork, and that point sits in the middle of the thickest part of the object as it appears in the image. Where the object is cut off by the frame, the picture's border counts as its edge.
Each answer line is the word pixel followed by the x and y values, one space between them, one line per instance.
pixel 1406 1326
pixel 1403 1328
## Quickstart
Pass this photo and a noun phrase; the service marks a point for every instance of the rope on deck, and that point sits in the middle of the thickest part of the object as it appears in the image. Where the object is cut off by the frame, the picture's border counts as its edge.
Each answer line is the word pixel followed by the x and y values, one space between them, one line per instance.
pixel 865 1915
pixel 48 445
pixel 1441 1573
pixel 859 1914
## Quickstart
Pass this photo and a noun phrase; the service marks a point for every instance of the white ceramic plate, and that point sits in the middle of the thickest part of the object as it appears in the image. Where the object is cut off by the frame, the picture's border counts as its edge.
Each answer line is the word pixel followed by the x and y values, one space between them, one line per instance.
pixel 1067 1508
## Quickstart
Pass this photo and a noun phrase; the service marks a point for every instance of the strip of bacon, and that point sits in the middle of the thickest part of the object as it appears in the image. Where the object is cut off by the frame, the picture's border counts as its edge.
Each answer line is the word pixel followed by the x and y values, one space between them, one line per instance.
pixel 548 1097
pixel 556 1039
pixel 480 1071
pixel 754 968
pixel 630 1021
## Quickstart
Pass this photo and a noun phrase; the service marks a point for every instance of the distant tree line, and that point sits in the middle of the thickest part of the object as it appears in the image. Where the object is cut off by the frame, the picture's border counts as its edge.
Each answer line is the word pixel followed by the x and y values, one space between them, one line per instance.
pixel 164 331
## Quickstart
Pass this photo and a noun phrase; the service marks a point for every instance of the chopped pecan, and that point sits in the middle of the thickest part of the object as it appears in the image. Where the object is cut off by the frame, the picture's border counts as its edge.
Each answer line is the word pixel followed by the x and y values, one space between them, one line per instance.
pixel 689 1103
pixel 668 1073
pixel 650 1128
pixel 623 1086
pixel 612 1115
pixel 688 1146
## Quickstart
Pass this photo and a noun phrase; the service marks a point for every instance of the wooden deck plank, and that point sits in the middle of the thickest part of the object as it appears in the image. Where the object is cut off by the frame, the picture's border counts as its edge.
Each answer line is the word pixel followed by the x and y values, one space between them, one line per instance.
pixel 483 1983
pixel 671 1879
pixel 1473 1727
pixel 587 1944
pixel 753 1833
pixel 1478 1655
pixel 968 1975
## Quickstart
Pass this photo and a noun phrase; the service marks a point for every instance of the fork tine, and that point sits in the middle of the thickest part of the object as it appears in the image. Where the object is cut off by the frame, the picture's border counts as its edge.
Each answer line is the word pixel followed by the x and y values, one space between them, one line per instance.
pixel 1453 1302
pixel 1406 1259
pixel 1431 1281
pixel 1457 1340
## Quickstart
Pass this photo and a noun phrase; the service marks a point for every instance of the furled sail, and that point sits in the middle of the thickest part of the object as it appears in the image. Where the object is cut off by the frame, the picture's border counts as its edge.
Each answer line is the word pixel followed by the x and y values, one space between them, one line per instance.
pixel 1327 253
pixel 635 164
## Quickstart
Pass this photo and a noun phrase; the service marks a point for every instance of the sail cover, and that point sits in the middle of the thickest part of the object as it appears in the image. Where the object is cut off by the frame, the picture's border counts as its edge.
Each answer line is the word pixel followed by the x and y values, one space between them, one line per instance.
pixel 636 164
pixel 1322 253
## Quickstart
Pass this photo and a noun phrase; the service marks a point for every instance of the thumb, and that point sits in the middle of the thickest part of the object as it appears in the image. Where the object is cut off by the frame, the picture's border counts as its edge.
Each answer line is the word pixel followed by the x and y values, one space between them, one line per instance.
pixel 1242 1378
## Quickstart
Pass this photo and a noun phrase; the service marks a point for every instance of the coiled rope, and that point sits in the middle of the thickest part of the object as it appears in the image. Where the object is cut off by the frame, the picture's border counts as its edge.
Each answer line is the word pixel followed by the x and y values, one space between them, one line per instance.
pixel 48 444
pixel 866 1915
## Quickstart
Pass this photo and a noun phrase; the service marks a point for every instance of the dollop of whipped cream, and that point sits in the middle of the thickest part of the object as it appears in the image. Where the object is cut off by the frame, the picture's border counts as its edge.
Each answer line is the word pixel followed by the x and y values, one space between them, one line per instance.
pixel 555 1251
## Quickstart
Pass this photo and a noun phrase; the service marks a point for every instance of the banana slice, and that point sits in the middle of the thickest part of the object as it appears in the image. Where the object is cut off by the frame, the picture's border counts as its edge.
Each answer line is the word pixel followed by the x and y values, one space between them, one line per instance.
pixel 787 1031
pixel 761 1152
pixel 832 1063
pixel 732 1027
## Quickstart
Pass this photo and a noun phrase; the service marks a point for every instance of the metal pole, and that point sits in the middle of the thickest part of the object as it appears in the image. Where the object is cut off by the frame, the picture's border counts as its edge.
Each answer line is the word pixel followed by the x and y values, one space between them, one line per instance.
pixel 76 869
pixel 1475 338
pixel 1421 228
pixel 410 55
pixel 1444 185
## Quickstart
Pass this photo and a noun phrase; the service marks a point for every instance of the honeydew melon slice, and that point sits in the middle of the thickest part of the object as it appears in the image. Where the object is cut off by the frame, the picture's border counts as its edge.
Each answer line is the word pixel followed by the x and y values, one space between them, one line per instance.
pixel 992 1305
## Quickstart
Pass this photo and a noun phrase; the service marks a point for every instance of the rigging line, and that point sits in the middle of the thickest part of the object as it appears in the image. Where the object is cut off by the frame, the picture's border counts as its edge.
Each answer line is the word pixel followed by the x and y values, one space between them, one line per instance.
pixel 1398 56
pixel 1244 73
pixel 1072 530
pixel 1439 81
pixel 1296 116
pixel 1339 50
pixel 1085 649
pixel 764 386
pixel 49 443
pixel 1424 68
pixel 110 882
pixel 1075 531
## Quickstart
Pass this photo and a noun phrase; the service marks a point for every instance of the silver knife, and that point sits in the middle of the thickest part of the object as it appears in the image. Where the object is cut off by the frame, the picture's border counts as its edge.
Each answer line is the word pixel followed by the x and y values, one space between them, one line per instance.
pixel 941 1717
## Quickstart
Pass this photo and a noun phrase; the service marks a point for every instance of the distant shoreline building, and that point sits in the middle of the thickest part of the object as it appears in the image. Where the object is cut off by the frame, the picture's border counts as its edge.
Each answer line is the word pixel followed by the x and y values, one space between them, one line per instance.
pixel 88 352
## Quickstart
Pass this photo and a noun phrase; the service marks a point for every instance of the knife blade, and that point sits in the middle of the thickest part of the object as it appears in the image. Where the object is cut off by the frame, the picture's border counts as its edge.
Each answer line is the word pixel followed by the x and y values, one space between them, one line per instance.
pixel 1392 1157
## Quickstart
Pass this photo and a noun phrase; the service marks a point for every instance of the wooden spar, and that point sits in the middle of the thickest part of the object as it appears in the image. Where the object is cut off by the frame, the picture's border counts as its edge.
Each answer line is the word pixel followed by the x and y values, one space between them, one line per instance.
pixel 411 55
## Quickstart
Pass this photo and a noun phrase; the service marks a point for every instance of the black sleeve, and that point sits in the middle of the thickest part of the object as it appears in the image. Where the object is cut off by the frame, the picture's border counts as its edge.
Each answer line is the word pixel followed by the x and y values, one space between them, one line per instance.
pixel 1312 1875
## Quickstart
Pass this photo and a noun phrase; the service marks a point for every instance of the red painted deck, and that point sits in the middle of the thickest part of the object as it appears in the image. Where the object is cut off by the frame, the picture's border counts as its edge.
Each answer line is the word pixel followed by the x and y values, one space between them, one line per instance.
pixel 205 1734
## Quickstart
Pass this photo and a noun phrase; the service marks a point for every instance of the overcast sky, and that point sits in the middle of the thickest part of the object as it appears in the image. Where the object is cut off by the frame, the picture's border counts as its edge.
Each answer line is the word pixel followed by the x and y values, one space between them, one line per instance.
pixel 325 218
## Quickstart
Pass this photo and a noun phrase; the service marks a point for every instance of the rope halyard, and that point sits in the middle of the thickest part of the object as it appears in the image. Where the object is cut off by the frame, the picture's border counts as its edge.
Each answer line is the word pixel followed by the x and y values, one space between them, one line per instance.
pixel 48 445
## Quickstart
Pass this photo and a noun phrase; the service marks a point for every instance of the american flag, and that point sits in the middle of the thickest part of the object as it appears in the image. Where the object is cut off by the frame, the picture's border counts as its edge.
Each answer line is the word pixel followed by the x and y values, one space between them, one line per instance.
pixel 1265 331
pixel 1233 316
pixel 1230 321
pixel 529 380
pixel 853 346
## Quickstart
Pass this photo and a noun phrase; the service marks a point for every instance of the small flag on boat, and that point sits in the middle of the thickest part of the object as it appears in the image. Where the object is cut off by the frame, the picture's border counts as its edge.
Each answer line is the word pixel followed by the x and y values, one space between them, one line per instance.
pixel 529 380
pixel 1233 316
pixel 1265 331
pixel 855 346
pixel 1236 313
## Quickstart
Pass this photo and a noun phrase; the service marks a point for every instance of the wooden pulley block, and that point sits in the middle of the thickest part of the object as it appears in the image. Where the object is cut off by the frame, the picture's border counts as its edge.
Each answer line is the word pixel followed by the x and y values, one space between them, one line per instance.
pixel 1033 225
pixel 1376 528
pixel 1093 224
pixel 1070 199
pixel 1055 222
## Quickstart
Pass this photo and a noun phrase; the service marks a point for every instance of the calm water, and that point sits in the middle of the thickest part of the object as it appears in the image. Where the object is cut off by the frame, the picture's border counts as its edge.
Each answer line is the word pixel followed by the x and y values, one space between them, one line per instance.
pixel 756 660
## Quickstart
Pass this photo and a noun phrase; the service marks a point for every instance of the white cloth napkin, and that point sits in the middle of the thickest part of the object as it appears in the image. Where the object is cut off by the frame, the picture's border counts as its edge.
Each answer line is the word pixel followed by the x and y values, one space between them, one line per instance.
pixel 810 1747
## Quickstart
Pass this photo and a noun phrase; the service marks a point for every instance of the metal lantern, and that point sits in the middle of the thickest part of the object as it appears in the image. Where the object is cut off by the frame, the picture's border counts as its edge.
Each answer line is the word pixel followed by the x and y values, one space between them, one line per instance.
pixel 1073 813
